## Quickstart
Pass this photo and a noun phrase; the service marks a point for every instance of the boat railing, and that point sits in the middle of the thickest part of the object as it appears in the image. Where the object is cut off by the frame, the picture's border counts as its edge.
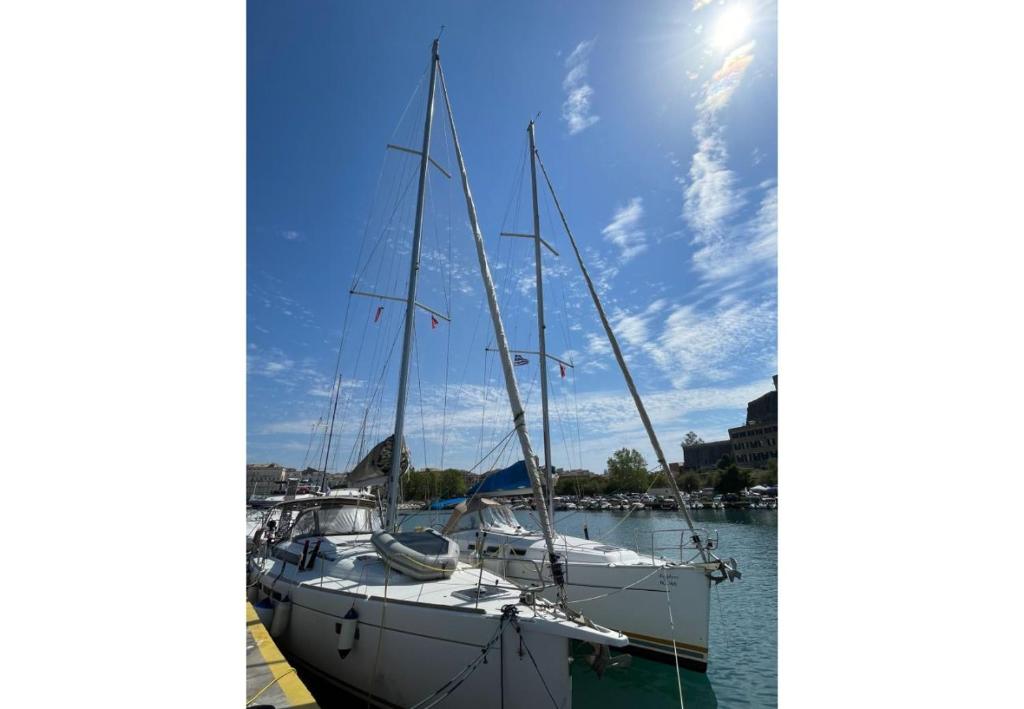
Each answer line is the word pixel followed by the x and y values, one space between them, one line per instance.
pixel 682 544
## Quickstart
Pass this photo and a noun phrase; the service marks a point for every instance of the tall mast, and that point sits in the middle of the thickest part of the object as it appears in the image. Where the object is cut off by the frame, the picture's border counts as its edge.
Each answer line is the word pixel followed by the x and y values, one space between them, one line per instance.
pixel 626 375
pixel 546 427
pixel 410 304
pixel 512 389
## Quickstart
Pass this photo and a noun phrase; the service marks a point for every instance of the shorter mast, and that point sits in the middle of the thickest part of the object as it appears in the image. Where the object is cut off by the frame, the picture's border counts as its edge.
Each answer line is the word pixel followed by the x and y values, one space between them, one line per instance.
pixel 545 419
pixel 625 373
pixel 410 308
pixel 512 389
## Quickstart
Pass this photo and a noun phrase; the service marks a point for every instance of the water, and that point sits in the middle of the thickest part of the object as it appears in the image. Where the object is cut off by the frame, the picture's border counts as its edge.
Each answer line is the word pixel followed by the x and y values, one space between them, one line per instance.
pixel 742 669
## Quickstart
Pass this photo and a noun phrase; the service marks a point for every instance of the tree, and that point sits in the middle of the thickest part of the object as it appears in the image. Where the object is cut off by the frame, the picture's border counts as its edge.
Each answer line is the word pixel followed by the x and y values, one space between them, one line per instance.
pixel 627 471
pixel 692 439
pixel 733 480
pixel 452 483
pixel 690 482
pixel 580 486
pixel 724 462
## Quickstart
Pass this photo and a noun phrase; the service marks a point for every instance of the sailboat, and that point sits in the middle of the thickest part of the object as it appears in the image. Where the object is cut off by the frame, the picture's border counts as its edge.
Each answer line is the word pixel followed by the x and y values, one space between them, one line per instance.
pixel 661 604
pixel 395 618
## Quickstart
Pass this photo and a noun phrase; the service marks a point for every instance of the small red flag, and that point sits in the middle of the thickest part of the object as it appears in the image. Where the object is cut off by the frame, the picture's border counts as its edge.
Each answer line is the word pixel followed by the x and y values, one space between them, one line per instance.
pixel 562 368
pixel 380 309
pixel 433 322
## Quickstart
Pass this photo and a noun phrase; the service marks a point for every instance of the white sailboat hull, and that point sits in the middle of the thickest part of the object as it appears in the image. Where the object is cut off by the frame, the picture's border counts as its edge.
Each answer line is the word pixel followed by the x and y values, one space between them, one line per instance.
pixel 623 591
pixel 415 636
pixel 414 661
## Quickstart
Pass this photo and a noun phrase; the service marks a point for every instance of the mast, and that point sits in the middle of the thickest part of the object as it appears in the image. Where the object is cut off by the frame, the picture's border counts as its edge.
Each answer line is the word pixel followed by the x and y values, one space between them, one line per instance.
pixel 330 434
pixel 410 304
pixel 546 426
pixel 676 494
pixel 512 389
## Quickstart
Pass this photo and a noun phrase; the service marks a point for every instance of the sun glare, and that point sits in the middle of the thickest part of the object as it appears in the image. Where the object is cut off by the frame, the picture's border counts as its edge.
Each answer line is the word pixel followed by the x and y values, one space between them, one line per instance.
pixel 731 27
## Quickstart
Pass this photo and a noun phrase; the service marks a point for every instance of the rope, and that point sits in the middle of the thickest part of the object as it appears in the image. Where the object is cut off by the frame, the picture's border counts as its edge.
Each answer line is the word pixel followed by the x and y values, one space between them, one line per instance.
pixel 526 647
pixel 675 652
pixel 620 590
pixel 455 681
pixel 272 683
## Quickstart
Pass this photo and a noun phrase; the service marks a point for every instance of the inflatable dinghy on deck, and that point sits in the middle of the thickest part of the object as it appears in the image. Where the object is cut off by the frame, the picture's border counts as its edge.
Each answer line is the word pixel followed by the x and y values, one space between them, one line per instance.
pixel 423 555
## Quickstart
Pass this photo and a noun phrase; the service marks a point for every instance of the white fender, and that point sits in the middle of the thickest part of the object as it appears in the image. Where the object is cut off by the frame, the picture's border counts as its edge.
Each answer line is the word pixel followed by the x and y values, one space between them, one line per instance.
pixel 347 630
pixel 282 614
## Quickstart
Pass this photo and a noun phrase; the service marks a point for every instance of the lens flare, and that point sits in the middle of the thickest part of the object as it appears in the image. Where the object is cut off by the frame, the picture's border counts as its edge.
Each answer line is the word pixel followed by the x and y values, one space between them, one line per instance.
pixel 731 27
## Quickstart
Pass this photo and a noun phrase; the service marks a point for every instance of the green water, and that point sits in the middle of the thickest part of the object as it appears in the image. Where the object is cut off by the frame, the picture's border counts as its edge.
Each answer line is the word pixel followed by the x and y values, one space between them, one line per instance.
pixel 744 616
pixel 742 669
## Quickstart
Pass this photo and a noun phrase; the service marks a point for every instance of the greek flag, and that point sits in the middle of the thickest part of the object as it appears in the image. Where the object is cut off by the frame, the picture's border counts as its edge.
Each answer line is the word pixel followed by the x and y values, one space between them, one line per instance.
pixel 520 360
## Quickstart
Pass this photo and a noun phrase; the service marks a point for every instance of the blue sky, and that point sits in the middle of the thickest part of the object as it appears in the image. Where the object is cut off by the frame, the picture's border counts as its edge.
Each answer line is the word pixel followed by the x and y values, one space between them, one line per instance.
pixel 658 128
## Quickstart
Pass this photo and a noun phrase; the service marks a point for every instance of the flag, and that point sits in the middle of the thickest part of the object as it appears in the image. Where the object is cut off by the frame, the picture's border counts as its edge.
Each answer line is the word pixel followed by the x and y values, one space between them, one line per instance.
pixel 380 309
pixel 561 368
pixel 433 322
pixel 520 360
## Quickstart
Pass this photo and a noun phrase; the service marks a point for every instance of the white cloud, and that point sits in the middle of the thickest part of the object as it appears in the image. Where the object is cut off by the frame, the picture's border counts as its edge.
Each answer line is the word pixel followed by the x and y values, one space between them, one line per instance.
pixel 751 243
pixel 711 197
pixel 625 231
pixel 576 109
pixel 732 338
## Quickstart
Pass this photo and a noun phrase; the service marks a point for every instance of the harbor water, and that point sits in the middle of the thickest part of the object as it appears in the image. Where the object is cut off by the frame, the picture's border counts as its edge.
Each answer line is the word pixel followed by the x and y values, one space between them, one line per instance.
pixel 742 669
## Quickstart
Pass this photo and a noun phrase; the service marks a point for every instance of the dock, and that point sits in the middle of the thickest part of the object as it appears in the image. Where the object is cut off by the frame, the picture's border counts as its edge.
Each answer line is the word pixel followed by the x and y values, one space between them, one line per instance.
pixel 269 680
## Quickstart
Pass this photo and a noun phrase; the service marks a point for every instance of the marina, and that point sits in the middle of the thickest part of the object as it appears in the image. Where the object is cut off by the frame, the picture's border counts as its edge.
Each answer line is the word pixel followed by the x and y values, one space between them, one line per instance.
pixel 508 594
pixel 742 668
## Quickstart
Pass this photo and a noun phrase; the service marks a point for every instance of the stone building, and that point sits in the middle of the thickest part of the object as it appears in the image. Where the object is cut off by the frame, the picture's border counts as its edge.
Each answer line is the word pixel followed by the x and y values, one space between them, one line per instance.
pixel 263 478
pixel 756 442
pixel 751 445
pixel 705 455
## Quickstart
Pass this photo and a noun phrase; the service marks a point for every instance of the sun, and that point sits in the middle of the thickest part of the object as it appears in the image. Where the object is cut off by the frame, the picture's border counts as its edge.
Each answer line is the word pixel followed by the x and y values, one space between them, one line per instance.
pixel 731 27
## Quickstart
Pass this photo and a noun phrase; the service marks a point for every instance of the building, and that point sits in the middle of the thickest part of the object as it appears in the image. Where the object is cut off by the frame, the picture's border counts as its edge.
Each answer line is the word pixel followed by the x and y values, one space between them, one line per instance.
pixel 263 478
pixel 705 455
pixel 751 445
pixel 577 473
pixel 756 442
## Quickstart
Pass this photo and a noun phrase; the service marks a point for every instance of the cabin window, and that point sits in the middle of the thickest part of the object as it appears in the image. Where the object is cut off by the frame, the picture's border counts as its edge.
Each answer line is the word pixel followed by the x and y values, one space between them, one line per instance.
pixel 346 520
pixel 305 525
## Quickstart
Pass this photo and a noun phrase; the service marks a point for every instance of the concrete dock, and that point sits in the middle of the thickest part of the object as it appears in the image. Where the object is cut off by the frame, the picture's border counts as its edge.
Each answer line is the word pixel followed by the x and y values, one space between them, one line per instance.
pixel 269 680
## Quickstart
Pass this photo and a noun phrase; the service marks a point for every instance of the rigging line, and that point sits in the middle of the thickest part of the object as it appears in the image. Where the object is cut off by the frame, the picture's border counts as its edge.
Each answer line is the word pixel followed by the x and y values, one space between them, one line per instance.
pixel 576 404
pixel 369 217
pixel 515 188
pixel 330 434
pixel 448 333
pixel 419 387
pixel 337 370
pixel 561 424
pixel 415 92
pixel 407 172
pixel 483 408
pixel 372 394
pixel 675 651
pixel 387 227
pixel 539 674
pixel 309 446
pixel 706 555
pixel 393 197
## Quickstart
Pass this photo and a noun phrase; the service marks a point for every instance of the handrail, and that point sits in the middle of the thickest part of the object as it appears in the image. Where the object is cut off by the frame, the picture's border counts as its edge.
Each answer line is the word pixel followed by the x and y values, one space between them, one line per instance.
pixel 706 540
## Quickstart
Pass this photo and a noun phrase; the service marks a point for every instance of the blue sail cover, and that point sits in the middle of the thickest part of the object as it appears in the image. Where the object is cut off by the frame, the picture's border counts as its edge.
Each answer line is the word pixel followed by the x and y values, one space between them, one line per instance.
pixel 446 504
pixel 513 480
